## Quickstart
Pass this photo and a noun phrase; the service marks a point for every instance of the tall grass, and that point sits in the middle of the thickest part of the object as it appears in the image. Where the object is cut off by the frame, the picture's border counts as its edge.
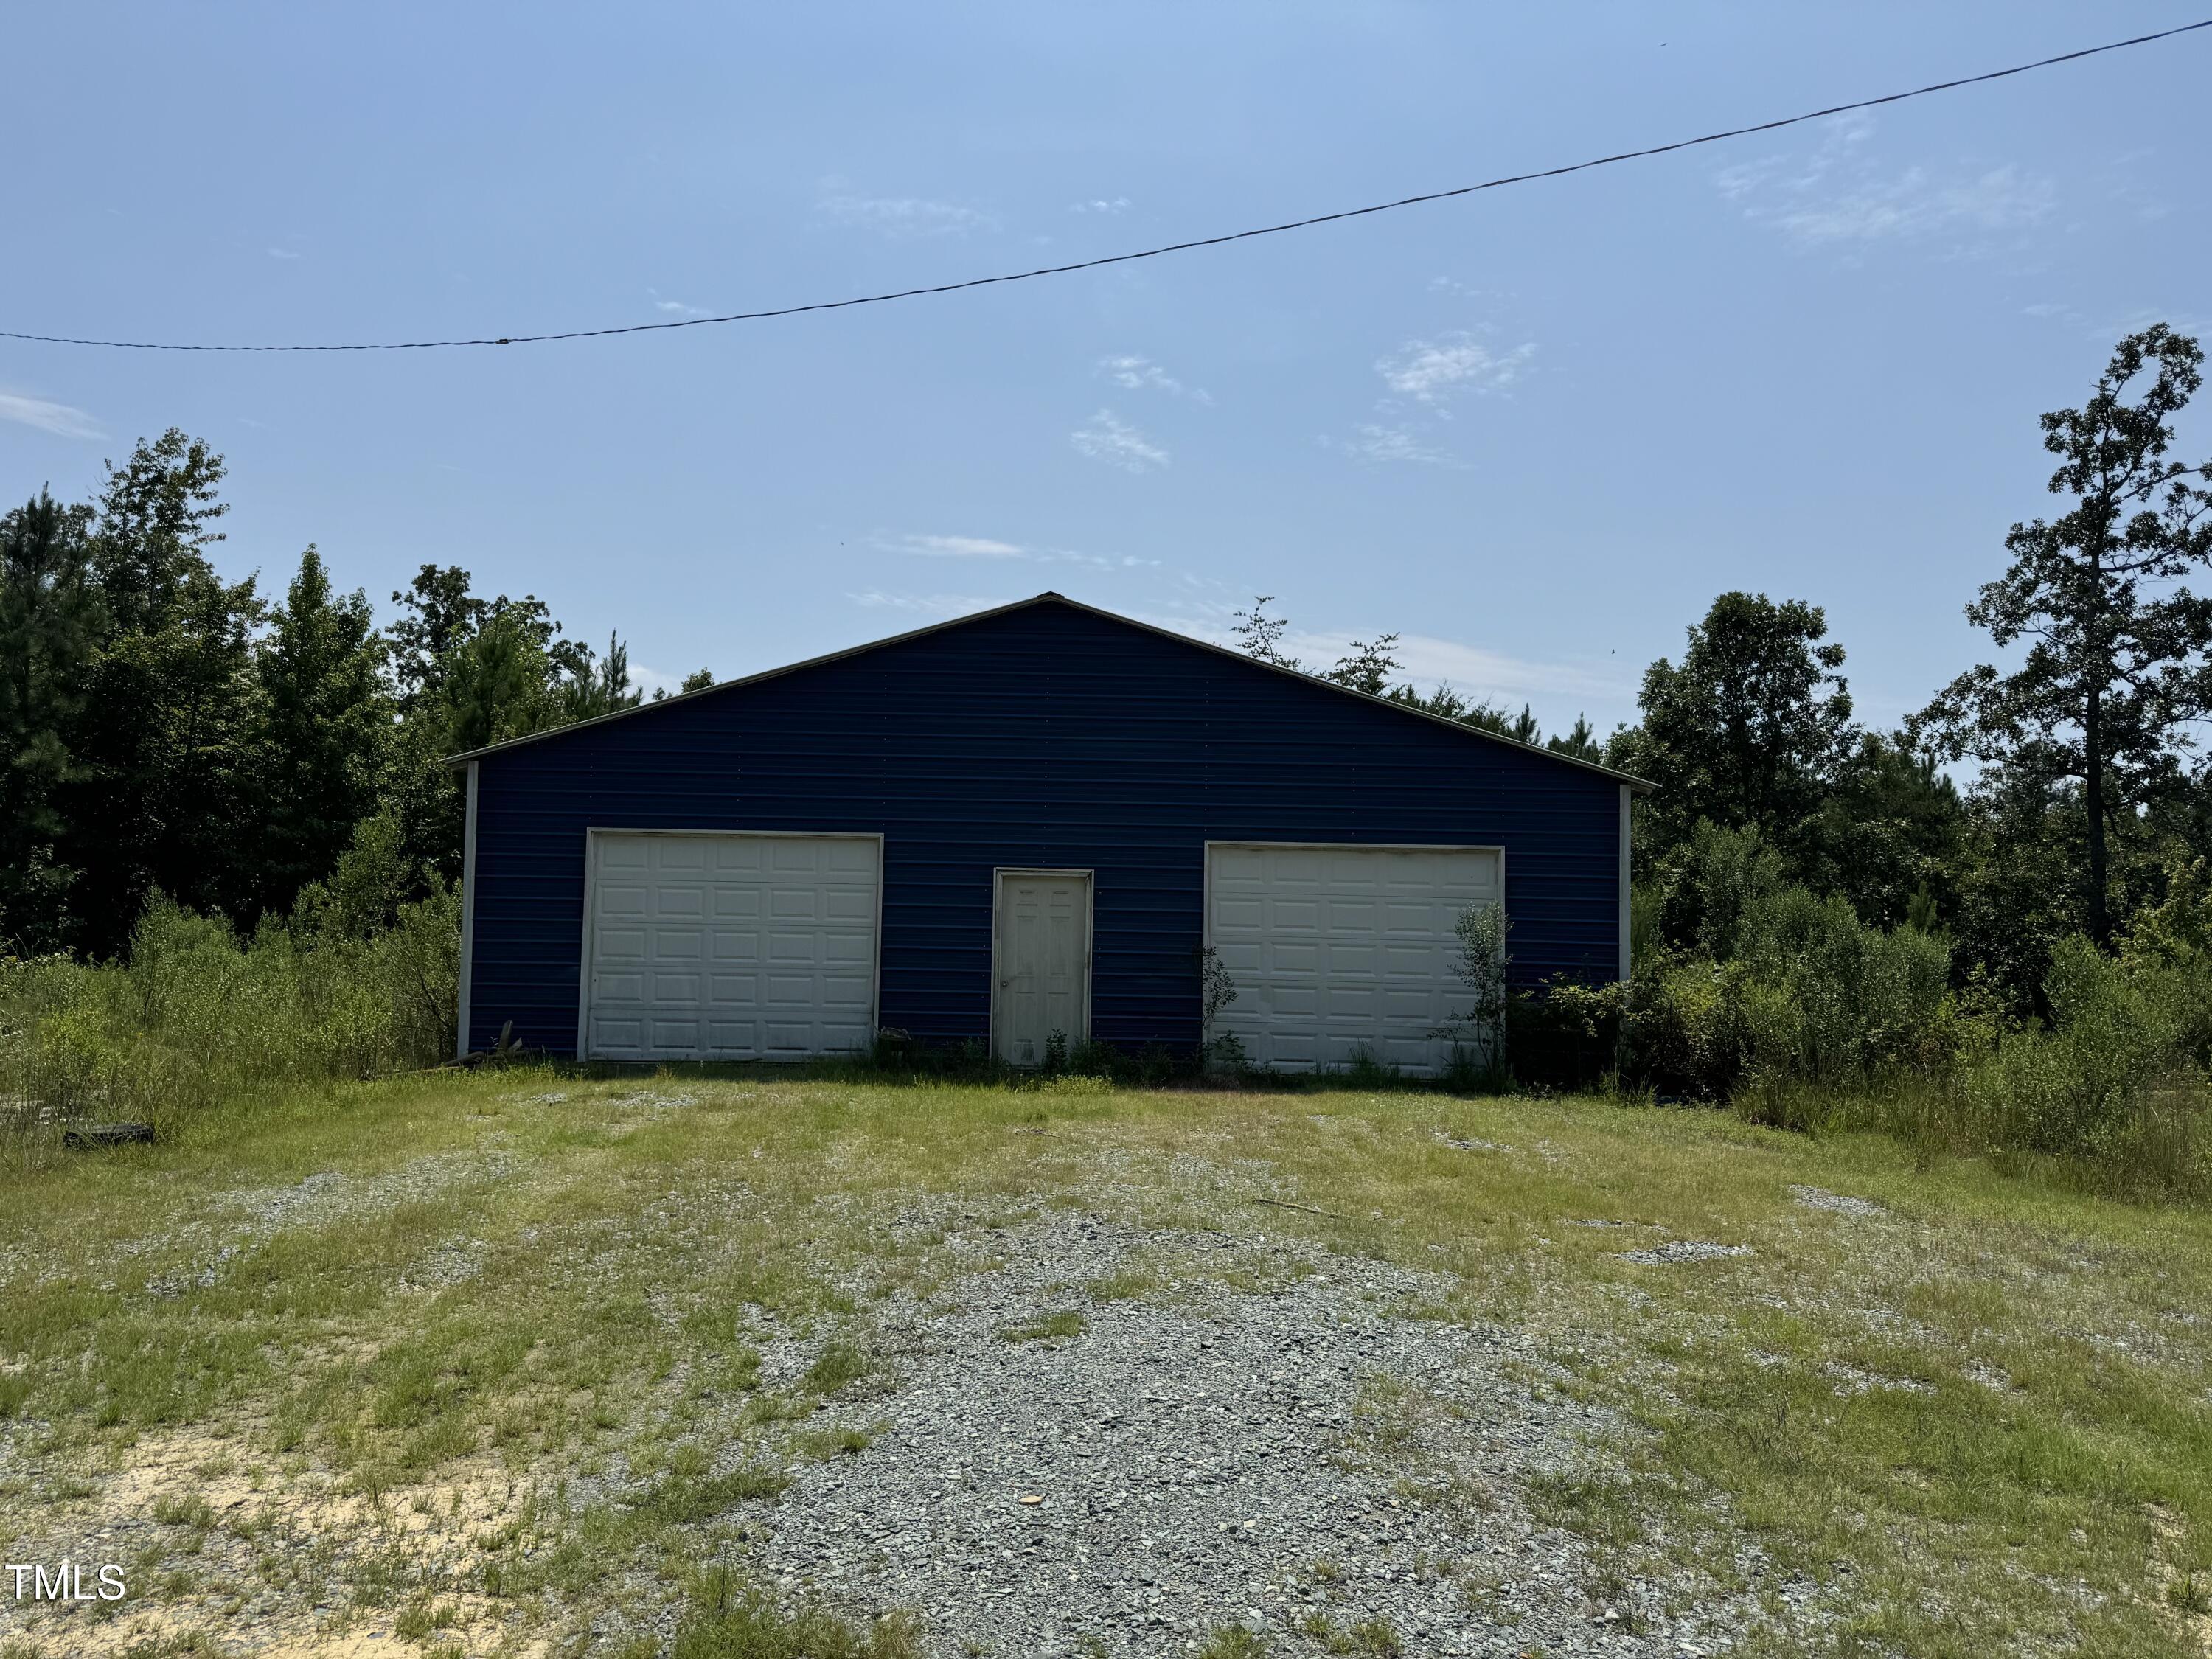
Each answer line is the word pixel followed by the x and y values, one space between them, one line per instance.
pixel 195 1016
pixel 1791 1011
pixel 2113 1089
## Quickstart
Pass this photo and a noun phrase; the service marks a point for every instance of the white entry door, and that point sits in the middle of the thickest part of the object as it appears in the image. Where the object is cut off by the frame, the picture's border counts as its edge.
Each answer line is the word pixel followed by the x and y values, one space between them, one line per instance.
pixel 1042 957
pixel 1336 949
pixel 729 946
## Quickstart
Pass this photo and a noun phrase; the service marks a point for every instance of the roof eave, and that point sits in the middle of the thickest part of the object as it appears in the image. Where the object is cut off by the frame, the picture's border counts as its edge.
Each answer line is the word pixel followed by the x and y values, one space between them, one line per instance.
pixel 1640 786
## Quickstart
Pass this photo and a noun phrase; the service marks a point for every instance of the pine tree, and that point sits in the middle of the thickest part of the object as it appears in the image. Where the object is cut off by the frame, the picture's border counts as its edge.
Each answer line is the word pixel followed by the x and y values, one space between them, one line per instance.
pixel 2119 657
pixel 323 724
pixel 161 739
pixel 49 619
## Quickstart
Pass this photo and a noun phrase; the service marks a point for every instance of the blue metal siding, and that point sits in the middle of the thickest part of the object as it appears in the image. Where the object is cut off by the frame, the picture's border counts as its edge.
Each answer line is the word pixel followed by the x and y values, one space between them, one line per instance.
pixel 1052 737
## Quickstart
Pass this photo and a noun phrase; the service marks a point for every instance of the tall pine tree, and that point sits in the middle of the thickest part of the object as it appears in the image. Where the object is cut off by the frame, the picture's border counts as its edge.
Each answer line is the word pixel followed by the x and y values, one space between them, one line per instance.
pixel 323 725
pixel 2119 665
pixel 49 622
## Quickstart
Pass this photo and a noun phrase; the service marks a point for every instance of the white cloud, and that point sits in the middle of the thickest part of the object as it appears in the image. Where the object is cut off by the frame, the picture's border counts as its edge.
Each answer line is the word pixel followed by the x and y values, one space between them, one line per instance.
pixel 1429 661
pixel 282 253
pixel 1837 197
pixel 1370 442
pixel 925 605
pixel 906 215
pixel 1432 371
pixel 59 419
pixel 1916 204
pixel 674 307
pixel 955 547
pixel 1107 438
pixel 1119 205
pixel 1142 374
pixel 650 680
pixel 980 547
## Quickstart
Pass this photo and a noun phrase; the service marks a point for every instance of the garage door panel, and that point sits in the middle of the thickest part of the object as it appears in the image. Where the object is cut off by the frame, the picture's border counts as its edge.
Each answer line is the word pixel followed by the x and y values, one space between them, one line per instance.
pixel 730 946
pixel 1239 912
pixel 785 946
pixel 1337 950
pixel 622 945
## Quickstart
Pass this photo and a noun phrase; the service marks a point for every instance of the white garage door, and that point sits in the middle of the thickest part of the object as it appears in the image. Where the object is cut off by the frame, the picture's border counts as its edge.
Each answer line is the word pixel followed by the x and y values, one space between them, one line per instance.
pixel 730 946
pixel 1334 949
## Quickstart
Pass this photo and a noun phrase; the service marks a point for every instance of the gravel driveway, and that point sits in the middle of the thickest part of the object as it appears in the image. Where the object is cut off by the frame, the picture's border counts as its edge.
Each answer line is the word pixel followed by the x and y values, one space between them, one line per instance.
pixel 1303 1448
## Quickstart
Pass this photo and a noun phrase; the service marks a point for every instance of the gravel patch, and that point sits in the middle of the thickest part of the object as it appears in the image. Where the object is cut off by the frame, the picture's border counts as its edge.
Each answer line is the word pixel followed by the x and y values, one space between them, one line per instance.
pixel 1686 1249
pixel 247 1219
pixel 1166 1467
pixel 1851 1380
pixel 1816 1198
pixel 1467 1144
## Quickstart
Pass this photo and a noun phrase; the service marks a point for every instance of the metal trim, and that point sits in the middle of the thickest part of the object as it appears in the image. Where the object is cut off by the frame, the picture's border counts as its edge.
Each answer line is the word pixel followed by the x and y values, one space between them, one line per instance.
pixel 465 1001
pixel 1622 885
pixel 1640 784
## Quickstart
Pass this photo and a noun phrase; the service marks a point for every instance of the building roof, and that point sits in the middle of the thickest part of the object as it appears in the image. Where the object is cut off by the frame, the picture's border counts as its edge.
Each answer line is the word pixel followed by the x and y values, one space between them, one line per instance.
pixel 1639 785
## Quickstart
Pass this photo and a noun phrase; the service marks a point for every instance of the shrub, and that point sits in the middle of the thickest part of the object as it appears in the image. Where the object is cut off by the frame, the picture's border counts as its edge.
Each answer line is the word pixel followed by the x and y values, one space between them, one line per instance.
pixel 195 1016
pixel 2081 1087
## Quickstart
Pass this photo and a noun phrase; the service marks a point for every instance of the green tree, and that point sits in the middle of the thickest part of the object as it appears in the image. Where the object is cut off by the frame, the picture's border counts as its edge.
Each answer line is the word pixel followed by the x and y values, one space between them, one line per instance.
pixel 599 690
pixel 1890 833
pixel 500 684
pixel 437 615
pixel 2116 665
pixel 49 626
pixel 1451 704
pixel 156 522
pixel 323 724
pixel 1367 665
pixel 1746 733
pixel 1580 741
pixel 161 739
pixel 1260 635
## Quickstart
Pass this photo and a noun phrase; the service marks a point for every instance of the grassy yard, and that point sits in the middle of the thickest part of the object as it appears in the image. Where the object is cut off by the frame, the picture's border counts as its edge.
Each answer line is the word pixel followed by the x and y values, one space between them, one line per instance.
pixel 514 1362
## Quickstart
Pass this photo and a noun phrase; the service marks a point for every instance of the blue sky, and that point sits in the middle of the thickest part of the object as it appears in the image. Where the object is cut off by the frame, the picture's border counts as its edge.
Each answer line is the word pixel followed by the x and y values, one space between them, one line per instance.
pixel 1535 431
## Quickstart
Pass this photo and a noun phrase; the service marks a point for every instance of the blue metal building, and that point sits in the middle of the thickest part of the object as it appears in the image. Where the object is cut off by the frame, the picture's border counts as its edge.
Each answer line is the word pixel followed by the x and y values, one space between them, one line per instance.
pixel 1042 822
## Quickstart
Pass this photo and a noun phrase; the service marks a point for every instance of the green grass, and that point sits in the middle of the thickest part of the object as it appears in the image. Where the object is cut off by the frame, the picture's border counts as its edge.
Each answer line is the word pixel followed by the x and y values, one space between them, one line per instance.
pixel 1989 1401
pixel 1066 1322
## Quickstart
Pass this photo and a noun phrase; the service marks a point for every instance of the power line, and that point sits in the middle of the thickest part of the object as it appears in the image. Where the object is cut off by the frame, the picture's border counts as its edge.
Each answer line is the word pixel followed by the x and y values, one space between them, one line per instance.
pixel 1150 252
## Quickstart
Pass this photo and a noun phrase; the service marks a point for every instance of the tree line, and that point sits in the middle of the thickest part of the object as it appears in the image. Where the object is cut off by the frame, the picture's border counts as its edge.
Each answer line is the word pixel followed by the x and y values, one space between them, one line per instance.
pixel 168 731
pixel 2085 802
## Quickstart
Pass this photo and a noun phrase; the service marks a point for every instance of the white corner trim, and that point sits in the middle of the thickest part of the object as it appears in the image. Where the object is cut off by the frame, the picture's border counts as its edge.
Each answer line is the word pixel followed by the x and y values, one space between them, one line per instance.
pixel 468 918
pixel 1626 794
